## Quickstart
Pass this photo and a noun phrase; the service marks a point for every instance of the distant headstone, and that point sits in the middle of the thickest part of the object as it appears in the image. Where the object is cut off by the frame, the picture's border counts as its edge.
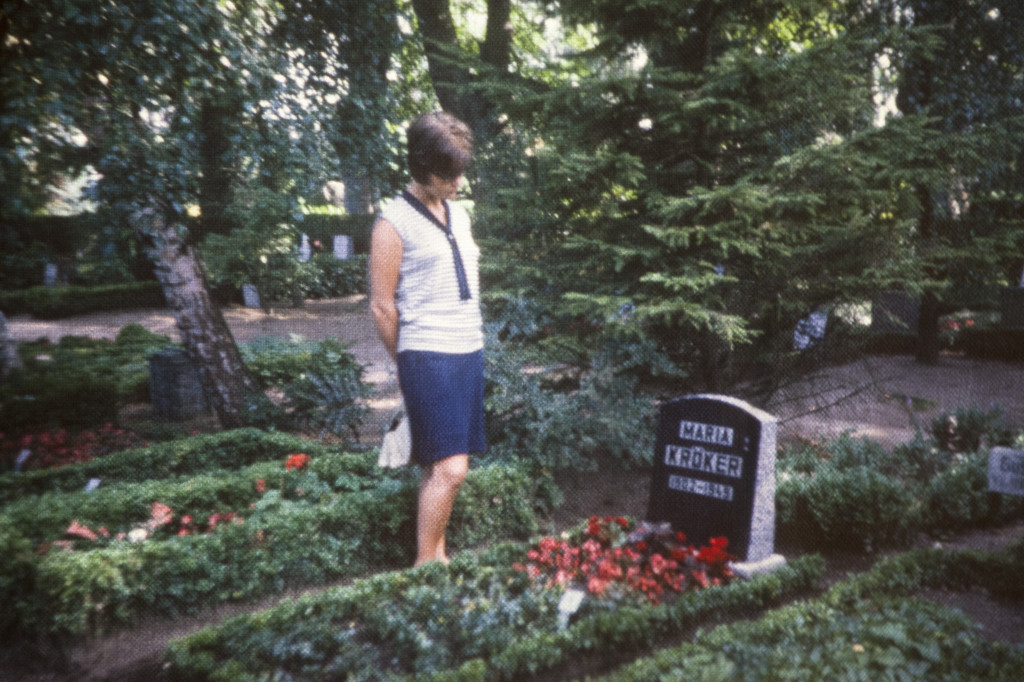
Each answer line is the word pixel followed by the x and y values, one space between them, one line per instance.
pixel 9 358
pixel 1006 471
pixel 50 272
pixel 251 296
pixel 342 246
pixel 810 330
pixel 714 475
pixel 305 249
pixel 175 387
pixel 895 311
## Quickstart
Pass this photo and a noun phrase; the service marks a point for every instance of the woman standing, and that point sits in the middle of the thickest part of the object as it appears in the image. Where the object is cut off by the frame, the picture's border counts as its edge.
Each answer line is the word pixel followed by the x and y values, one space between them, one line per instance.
pixel 424 295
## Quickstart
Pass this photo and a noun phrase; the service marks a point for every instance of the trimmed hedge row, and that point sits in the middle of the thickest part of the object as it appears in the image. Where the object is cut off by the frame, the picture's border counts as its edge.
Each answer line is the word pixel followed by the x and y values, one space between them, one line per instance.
pixel 864 628
pixel 185 457
pixel 478 619
pixel 851 493
pixel 51 303
pixel 336 517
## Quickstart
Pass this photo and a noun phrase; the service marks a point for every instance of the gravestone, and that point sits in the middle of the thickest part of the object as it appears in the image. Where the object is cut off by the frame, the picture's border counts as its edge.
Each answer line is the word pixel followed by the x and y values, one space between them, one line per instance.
pixel 1006 471
pixel 810 330
pixel 9 358
pixel 175 387
pixel 895 311
pixel 714 475
pixel 305 249
pixel 1011 307
pixel 342 246
pixel 251 296
pixel 50 273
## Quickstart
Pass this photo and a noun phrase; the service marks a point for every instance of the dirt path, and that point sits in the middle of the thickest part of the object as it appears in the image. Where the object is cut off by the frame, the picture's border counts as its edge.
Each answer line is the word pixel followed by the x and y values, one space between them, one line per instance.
pixel 881 397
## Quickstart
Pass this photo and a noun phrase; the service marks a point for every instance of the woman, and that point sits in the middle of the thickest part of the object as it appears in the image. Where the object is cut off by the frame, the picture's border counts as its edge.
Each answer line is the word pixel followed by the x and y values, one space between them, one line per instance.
pixel 424 295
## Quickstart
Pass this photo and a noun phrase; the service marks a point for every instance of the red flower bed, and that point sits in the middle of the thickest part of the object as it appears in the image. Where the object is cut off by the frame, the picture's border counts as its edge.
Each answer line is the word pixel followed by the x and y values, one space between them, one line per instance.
pixel 57 448
pixel 611 559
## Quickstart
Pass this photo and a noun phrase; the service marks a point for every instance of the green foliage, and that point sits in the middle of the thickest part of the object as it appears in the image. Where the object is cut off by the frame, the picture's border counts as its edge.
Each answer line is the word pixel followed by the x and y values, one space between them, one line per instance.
pixel 967 429
pixel 851 492
pixel 51 303
pixel 533 416
pixel 182 458
pixel 865 628
pixel 337 516
pixel 321 384
pixel 477 619
pixel 79 382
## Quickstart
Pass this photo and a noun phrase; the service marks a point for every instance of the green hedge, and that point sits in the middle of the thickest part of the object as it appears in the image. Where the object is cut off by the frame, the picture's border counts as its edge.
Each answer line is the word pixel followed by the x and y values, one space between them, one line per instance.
pixel 849 493
pixel 51 303
pixel 479 619
pixel 185 457
pixel 337 517
pixel 866 628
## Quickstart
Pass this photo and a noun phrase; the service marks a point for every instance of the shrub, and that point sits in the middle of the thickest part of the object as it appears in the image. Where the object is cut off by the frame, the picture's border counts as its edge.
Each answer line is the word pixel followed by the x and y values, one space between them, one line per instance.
pixel 968 428
pixel 320 383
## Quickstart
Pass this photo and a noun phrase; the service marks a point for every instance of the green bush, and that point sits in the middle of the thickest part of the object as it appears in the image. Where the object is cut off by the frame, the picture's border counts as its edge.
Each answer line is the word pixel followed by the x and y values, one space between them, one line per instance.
pixel 968 428
pixel 79 382
pixel 337 516
pixel 321 384
pixel 531 415
pixel 180 458
pixel 477 619
pixel 51 303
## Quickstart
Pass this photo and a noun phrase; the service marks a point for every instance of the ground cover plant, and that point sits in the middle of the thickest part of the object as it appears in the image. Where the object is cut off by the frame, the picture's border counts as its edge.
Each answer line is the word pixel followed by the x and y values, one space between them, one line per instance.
pixel 853 493
pixel 79 382
pixel 228 526
pixel 481 618
pixel 869 627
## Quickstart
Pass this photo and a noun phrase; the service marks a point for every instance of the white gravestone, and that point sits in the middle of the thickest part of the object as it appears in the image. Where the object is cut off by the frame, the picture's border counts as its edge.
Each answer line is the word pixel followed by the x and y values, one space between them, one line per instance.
pixel 1006 471
pixel 342 246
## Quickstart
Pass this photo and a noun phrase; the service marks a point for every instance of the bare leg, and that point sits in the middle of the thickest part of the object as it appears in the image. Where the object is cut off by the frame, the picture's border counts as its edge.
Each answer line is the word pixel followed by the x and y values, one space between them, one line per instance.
pixel 440 485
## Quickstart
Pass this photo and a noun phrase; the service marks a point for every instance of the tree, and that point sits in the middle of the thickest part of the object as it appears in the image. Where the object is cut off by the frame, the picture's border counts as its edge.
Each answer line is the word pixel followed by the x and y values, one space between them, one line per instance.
pixel 967 74
pixel 731 183
pixel 176 105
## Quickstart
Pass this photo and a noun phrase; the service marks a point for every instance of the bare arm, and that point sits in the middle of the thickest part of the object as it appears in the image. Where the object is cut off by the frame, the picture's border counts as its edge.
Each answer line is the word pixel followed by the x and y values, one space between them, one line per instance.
pixel 385 263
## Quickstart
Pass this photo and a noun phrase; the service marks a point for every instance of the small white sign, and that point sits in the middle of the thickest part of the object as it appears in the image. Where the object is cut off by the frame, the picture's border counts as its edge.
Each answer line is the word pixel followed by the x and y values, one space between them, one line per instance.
pixel 92 485
pixel 1006 471
pixel 568 605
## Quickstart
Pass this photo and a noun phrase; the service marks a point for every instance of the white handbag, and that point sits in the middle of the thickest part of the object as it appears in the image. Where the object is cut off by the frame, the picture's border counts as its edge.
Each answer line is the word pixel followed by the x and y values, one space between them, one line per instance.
pixel 396 446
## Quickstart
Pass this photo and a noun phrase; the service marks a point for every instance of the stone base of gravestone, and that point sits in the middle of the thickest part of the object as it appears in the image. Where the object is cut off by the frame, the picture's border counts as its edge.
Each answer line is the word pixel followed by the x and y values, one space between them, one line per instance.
pixel 175 388
pixel 895 311
pixel 1011 307
pixel 714 476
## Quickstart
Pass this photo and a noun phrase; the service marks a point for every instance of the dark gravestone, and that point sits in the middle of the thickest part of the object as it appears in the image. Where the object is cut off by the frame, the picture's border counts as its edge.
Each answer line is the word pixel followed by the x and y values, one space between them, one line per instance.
pixel 1011 307
pixel 714 475
pixel 175 388
pixel 895 312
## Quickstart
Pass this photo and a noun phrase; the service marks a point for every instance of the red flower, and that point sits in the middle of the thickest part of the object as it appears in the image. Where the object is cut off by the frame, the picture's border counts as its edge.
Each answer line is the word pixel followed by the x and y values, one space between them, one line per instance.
pixel 81 531
pixel 261 485
pixel 298 461
pixel 159 514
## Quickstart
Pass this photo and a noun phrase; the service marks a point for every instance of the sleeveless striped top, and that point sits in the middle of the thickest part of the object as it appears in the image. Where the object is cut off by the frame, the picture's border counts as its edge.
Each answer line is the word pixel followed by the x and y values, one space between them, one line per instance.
pixel 433 315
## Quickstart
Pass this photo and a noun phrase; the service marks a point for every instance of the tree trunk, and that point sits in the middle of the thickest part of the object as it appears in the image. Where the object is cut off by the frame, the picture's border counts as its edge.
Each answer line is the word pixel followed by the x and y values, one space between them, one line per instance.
pixel 449 69
pixel 204 331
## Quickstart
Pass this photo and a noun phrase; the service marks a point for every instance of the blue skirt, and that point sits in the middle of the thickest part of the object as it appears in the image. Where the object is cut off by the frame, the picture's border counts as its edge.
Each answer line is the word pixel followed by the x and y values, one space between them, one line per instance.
pixel 444 400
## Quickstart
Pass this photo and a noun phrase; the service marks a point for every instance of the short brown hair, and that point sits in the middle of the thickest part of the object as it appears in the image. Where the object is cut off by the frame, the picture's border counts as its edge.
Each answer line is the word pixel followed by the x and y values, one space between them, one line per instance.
pixel 439 144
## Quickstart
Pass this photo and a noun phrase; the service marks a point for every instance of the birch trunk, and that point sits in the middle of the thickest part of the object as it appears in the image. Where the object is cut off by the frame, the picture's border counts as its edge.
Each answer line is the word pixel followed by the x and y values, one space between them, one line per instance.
pixel 204 331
